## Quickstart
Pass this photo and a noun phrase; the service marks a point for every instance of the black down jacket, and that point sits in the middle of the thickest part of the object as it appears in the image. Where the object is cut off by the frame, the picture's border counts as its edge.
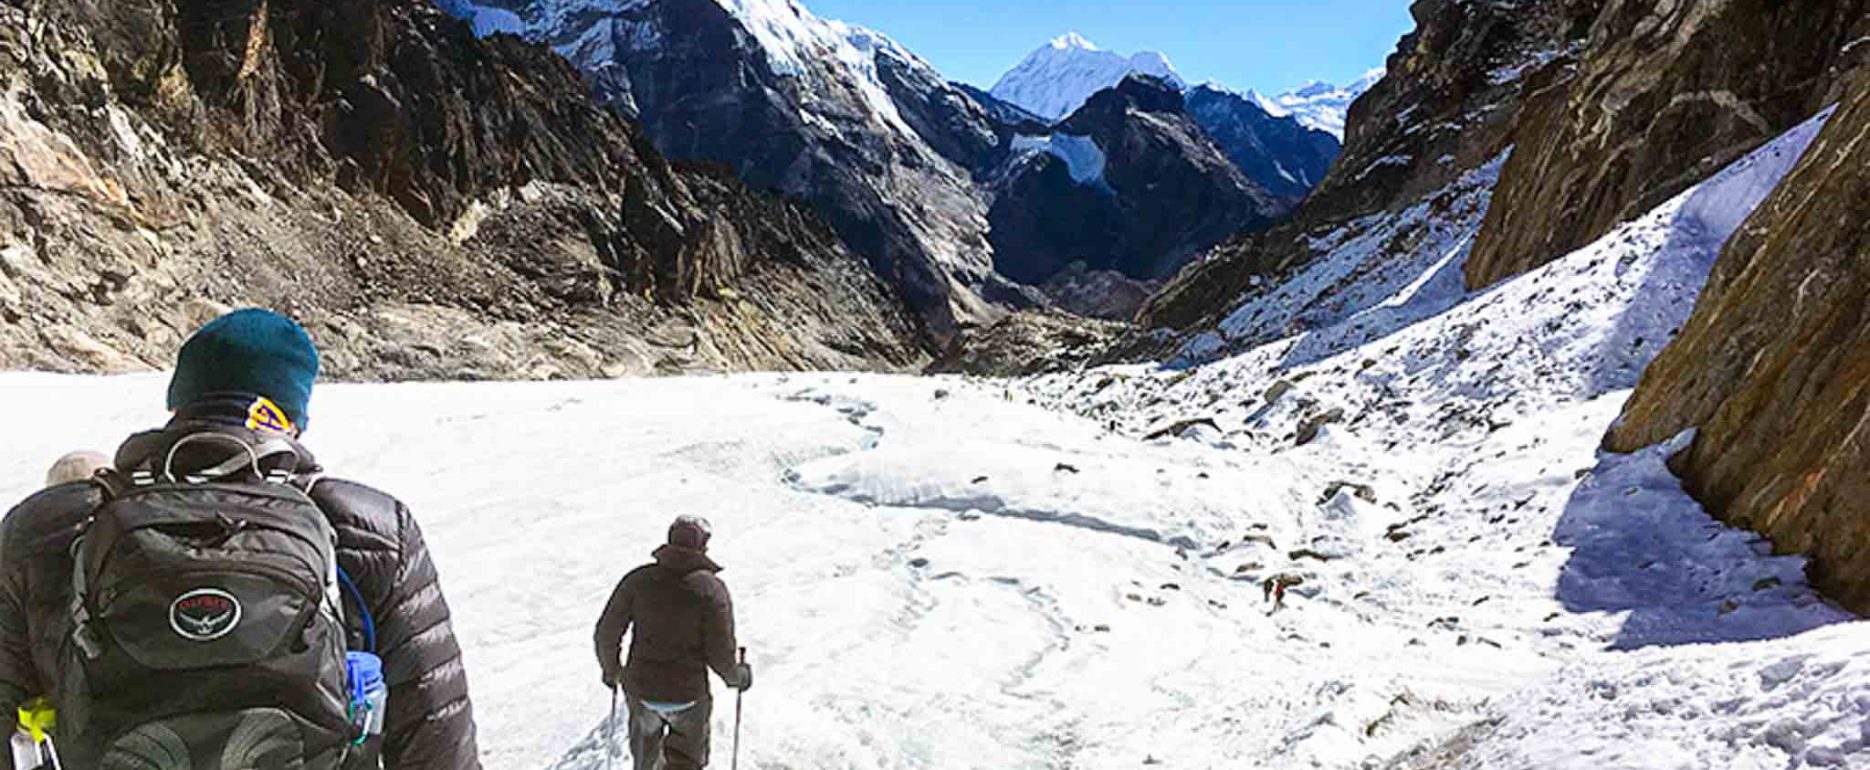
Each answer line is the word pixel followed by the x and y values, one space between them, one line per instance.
pixel 430 724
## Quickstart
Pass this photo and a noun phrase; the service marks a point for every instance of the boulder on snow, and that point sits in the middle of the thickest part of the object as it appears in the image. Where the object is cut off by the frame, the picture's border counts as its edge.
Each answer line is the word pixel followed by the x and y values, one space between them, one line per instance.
pixel 1362 492
pixel 1310 427
pixel 1181 428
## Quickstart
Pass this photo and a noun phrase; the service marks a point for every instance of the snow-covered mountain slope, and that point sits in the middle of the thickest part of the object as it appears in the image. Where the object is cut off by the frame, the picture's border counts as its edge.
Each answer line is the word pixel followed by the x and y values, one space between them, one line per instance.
pixel 1055 80
pixel 1318 104
pixel 940 573
pixel 1486 409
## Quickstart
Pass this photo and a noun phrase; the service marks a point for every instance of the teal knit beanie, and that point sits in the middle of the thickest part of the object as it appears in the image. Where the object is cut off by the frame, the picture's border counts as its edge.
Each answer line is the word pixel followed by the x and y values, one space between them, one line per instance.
pixel 251 352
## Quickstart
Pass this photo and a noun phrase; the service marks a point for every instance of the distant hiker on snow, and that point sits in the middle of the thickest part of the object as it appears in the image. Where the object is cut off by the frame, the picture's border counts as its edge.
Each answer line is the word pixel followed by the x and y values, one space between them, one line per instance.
pixel 683 623
pixel 1275 589
pixel 213 601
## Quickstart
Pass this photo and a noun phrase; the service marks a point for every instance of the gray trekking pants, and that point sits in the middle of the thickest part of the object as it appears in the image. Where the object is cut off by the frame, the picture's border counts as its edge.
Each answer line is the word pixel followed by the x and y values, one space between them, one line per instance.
pixel 663 739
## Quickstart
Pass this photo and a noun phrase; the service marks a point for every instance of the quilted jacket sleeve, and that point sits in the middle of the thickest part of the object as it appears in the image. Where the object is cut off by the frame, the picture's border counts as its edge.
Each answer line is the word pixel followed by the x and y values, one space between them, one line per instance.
pixel 430 724
pixel 18 678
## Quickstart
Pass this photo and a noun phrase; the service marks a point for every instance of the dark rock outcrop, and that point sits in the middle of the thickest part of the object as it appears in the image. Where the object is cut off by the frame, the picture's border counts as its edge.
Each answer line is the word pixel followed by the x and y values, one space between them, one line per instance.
pixel 1004 112
pixel 1773 367
pixel 433 205
pixel 1105 294
pixel 1662 96
pixel 1283 156
pixel 1028 343
pixel 1130 183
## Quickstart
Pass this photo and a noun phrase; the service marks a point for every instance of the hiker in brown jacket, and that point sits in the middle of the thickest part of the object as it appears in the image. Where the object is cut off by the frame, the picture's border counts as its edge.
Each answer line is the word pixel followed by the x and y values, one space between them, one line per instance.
pixel 683 623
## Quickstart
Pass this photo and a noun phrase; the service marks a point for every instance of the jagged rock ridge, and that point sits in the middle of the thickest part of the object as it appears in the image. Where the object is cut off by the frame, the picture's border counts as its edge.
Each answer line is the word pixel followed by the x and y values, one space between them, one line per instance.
pixel 433 205
pixel 910 169
pixel 1283 155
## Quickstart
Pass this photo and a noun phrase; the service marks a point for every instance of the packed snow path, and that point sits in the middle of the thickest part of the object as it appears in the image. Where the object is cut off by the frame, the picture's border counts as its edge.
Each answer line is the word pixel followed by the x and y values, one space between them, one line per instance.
pixel 932 576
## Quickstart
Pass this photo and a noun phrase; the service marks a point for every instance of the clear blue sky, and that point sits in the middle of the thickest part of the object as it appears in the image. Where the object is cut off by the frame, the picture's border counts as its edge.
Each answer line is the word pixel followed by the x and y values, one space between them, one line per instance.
pixel 1269 45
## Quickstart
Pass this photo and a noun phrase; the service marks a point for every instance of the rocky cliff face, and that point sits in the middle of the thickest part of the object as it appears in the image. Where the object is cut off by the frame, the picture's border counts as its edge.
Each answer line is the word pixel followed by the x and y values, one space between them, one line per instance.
pixel 1773 367
pixel 1661 96
pixel 433 205
pixel 1449 102
pixel 1129 183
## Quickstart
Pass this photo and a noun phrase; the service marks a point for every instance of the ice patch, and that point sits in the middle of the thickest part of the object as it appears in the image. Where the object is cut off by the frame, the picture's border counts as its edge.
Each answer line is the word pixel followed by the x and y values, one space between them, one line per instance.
pixel 490 21
pixel 1083 158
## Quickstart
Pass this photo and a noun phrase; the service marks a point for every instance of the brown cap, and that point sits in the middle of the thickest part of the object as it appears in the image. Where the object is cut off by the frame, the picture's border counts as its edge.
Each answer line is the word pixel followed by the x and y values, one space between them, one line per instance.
pixel 691 532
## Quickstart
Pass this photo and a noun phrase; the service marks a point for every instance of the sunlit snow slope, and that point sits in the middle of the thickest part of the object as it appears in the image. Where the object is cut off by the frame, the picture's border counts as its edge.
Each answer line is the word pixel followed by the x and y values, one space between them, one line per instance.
pixel 938 573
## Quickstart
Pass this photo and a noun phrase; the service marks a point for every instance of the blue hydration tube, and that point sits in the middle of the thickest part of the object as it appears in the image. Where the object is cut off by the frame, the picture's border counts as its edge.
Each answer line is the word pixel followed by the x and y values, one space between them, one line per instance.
pixel 363 670
pixel 363 611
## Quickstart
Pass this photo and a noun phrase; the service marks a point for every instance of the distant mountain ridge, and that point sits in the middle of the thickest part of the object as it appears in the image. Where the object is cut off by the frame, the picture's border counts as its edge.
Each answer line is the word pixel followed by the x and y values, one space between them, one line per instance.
pixel 1130 183
pixel 922 176
pixel 1318 104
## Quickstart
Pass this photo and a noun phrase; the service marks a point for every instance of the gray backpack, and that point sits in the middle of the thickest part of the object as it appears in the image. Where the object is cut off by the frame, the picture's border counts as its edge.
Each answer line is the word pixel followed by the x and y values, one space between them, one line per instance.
pixel 208 630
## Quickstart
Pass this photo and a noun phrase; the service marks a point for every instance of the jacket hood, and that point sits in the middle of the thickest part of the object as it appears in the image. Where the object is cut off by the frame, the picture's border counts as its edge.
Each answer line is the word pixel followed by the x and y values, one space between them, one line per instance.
pixel 149 450
pixel 685 560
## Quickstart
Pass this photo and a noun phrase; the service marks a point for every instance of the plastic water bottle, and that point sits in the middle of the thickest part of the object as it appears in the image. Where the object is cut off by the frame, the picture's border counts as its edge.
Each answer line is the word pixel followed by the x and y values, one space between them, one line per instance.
pixel 26 752
pixel 369 694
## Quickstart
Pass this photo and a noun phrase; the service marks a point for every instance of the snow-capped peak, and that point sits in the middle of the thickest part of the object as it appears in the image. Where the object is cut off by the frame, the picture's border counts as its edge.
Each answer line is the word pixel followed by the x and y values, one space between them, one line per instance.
pixel 1058 77
pixel 1071 40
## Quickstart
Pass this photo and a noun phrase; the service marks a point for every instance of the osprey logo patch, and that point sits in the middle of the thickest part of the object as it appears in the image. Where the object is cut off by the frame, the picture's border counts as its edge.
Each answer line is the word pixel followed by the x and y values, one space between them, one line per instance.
pixel 204 614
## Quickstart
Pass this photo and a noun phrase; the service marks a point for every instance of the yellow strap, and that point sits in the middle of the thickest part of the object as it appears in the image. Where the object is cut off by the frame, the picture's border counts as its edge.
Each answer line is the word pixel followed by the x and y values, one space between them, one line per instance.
pixel 38 717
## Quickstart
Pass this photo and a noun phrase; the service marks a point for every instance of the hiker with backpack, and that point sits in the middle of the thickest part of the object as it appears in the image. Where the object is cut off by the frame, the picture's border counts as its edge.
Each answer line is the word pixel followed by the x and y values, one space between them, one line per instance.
pixel 214 601
pixel 681 621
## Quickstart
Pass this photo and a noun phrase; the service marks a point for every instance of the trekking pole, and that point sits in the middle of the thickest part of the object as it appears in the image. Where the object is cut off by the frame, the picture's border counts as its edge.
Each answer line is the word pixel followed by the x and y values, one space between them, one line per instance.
pixel 740 698
pixel 610 732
